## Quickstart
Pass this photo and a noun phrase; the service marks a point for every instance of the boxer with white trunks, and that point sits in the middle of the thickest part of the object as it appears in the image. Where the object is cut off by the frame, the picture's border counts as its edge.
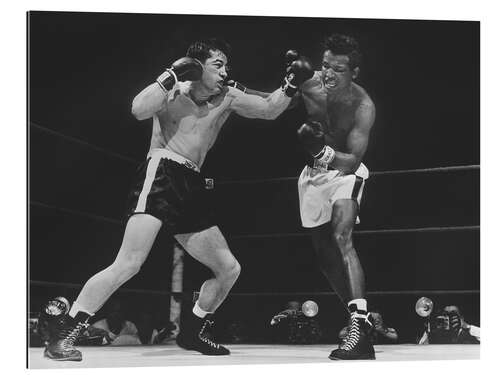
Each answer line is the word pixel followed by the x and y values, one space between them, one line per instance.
pixel 335 137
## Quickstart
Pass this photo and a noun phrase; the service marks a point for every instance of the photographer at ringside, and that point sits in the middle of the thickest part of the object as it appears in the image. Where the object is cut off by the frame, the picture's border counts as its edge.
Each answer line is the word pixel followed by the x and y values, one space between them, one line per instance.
pixel 448 326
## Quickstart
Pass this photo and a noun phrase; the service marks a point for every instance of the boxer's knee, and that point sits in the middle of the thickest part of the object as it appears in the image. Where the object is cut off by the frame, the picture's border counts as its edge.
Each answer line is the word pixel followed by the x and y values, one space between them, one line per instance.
pixel 342 237
pixel 230 273
pixel 127 266
pixel 234 272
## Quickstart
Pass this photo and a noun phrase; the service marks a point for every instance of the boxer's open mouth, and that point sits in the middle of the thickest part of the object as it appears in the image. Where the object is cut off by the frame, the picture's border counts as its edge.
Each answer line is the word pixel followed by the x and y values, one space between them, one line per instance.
pixel 330 81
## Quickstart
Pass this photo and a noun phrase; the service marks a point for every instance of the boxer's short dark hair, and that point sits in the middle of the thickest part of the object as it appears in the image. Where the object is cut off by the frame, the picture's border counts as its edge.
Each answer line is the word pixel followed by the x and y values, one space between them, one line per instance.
pixel 340 44
pixel 201 48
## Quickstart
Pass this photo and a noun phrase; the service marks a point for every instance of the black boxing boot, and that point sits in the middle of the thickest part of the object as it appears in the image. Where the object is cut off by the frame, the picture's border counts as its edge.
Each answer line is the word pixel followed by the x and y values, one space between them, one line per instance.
pixel 195 336
pixel 63 333
pixel 357 344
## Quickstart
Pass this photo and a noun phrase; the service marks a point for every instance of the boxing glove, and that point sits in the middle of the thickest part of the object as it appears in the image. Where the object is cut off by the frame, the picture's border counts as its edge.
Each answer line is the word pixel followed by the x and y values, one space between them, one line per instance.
pixel 184 69
pixel 312 137
pixel 298 71
pixel 291 56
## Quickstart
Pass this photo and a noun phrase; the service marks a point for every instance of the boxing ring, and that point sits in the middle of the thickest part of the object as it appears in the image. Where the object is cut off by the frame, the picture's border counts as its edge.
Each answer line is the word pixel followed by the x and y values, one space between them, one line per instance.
pixel 171 355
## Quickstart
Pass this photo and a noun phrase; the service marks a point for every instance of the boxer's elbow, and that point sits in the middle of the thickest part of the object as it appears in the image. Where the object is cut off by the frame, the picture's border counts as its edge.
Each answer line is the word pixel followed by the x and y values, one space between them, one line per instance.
pixel 274 115
pixel 346 166
pixel 138 109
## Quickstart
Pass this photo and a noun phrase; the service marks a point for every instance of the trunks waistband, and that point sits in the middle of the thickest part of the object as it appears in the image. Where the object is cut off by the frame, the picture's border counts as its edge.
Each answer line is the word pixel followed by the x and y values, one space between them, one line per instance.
pixel 362 170
pixel 167 154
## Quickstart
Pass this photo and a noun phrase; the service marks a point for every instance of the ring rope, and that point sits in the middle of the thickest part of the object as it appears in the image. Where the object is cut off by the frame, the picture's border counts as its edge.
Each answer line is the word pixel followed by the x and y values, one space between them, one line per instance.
pixel 79 286
pixel 126 158
pixel 77 213
pixel 82 143
pixel 362 232
pixel 370 293
pixel 268 294
pixel 269 235
pixel 456 168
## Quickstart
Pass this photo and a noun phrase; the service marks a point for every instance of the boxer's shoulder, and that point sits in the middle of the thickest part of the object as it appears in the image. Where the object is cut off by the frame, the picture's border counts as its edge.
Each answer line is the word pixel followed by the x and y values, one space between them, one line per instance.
pixel 223 97
pixel 363 98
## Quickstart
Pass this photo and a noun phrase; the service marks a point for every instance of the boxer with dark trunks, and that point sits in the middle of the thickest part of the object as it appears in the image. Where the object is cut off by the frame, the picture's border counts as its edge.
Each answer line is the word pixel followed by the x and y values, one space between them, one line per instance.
pixel 188 105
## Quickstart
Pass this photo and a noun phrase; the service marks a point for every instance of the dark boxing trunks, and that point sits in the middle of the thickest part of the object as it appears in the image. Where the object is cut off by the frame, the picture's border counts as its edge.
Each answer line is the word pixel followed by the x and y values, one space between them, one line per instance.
pixel 171 188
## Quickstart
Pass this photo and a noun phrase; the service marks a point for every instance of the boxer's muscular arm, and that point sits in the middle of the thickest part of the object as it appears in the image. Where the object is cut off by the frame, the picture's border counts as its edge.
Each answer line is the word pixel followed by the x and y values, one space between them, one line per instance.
pixel 246 90
pixel 148 102
pixel 293 102
pixel 154 97
pixel 253 106
pixel 357 140
pixel 262 94
pixel 258 93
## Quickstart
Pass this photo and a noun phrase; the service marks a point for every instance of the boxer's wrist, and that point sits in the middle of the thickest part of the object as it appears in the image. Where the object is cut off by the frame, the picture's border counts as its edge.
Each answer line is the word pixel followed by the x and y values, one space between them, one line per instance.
pixel 288 88
pixel 167 80
pixel 326 155
pixel 236 85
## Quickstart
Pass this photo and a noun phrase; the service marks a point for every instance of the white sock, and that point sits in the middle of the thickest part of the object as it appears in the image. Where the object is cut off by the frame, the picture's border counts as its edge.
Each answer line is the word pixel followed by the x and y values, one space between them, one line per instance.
pixel 75 308
pixel 198 311
pixel 360 304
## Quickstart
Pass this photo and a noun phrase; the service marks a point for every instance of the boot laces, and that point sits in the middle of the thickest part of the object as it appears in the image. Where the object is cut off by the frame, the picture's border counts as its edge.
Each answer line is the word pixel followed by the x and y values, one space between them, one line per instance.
pixel 203 336
pixel 71 335
pixel 354 333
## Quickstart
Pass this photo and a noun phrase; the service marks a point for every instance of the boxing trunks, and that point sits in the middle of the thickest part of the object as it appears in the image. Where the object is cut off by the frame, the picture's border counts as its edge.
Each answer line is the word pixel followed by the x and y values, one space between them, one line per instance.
pixel 319 188
pixel 170 187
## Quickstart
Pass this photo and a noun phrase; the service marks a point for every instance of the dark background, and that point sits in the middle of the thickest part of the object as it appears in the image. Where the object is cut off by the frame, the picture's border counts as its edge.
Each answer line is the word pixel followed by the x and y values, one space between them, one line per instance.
pixel 85 69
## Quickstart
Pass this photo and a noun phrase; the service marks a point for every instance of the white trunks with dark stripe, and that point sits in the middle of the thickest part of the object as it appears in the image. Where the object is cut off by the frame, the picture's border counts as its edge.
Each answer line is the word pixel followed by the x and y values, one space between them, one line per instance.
pixel 320 188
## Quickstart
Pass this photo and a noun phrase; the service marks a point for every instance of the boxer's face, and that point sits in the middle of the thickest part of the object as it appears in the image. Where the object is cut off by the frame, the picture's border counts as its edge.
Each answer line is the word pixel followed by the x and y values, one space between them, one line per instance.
pixel 335 71
pixel 214 72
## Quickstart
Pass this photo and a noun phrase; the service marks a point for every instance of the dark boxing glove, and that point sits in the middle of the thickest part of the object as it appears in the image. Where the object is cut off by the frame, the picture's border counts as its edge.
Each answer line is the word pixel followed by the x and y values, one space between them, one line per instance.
pixel 184 69
pixel 298 71
pixel 291 56
pixel 312 137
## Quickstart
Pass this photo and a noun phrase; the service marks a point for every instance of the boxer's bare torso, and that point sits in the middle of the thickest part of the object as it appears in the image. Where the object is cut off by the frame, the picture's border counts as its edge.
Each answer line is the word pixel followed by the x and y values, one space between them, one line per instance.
pixel 187 128
pixel 336 112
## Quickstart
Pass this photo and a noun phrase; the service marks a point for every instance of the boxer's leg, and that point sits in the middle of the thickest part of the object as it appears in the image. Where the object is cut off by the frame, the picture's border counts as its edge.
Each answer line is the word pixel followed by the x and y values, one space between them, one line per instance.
pixel 138 239
pixel 344 216
pixel 330 261
pixel 336 254
pixel 210 248
pixel 357 344
pixel 140 234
